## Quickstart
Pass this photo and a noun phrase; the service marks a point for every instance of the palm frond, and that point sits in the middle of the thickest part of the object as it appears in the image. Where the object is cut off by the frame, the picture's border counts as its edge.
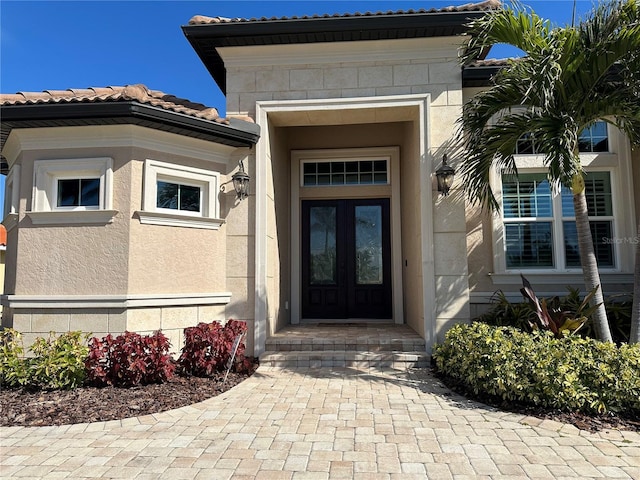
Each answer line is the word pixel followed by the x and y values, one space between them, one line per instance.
pixel 514 25
pixel 571 77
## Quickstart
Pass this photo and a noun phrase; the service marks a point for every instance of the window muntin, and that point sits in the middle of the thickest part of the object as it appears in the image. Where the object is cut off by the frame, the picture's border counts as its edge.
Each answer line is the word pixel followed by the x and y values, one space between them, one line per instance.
pixel 593 139
pixel 178 196
pixel 539 226
pixel 78 192
pixel 345 172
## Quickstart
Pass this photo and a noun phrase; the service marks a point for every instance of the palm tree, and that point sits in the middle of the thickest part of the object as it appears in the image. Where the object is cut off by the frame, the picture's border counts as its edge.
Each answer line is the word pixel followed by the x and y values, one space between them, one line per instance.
pixel 634 337
pixel 568 78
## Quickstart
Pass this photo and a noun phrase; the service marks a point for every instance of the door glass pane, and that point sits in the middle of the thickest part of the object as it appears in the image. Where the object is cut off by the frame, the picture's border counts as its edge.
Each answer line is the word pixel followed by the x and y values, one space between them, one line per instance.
pixel 368 225
pixel 322 243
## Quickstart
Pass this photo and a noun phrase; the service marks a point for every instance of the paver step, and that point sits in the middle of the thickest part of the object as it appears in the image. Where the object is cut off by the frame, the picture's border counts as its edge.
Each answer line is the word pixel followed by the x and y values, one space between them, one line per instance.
pixel 342 358
pixel 285 344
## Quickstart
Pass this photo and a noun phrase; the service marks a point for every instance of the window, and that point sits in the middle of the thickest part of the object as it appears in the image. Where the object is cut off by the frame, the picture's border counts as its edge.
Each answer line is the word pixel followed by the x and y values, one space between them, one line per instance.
pixel 72 191
pixel 78 192
pixel 175 196
pixel 539 224
pixel 592 139
pixel 179 195
pixel 350 172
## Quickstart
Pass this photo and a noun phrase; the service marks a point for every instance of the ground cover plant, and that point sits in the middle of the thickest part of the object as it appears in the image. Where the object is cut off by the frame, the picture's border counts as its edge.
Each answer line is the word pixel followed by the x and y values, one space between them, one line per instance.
pixel 569 373
pixel 63 380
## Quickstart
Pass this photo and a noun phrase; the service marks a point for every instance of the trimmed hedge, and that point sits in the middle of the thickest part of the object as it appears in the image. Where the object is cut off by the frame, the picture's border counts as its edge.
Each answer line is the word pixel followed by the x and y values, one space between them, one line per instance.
pixel 570 373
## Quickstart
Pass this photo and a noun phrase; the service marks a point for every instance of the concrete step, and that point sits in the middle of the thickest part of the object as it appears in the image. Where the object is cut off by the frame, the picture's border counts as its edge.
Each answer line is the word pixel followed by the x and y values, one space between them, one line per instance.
pixel 401 360
pixel 366 344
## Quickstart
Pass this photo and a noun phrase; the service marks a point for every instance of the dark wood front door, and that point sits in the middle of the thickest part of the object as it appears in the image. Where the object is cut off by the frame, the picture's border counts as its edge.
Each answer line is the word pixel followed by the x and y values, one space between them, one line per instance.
pixel 346 259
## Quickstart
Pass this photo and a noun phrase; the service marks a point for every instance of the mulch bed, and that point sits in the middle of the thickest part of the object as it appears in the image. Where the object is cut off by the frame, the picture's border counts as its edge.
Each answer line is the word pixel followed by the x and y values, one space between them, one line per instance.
pixel 20 407
pixel 89 404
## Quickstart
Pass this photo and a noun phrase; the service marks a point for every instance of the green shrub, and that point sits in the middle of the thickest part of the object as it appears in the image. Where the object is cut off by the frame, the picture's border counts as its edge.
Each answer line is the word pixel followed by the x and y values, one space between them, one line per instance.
pixel 57 363
pixel 14 370
pixel 570 373
pixel 521 314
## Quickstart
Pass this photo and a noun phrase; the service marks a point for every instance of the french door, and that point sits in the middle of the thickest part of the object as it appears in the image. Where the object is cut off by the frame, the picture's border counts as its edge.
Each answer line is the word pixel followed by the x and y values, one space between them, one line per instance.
pixel 346 259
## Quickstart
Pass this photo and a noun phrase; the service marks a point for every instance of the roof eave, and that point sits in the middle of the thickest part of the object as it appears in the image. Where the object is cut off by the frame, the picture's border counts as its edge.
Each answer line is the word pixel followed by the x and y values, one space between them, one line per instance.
pixel 237 133
pixel 479 76
pixel 207 38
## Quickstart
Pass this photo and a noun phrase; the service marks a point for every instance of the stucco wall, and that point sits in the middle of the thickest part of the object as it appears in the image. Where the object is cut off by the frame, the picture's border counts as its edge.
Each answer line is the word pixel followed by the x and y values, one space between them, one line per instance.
pixel 172 259
pixel 176 276
pixel 76 259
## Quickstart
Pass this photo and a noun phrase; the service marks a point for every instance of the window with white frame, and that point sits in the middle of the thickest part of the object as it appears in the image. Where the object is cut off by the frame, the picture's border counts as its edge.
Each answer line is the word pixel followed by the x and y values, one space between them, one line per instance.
pixel 539 228
pixel 72 191
pixel 593 139
pixel 78 192
pixel 179 195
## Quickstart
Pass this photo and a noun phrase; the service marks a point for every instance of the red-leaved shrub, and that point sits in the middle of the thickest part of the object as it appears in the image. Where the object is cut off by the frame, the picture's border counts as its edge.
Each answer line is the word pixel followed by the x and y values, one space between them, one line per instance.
pixel 208 348
pixel 129 359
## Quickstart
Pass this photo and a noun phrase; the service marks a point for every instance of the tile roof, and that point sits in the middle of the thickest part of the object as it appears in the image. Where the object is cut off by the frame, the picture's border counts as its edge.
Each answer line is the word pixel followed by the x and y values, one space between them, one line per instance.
pixel 468 7
pixel 138 93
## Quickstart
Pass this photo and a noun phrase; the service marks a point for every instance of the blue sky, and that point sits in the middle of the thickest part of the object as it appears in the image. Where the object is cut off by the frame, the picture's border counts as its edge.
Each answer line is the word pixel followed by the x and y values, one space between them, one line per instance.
pixel 78 44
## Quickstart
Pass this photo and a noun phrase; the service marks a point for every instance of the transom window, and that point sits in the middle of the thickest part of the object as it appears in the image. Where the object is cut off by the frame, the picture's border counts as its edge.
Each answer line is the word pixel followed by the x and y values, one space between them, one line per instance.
pixel 540 227
pixel 177 196
pixel 78 192
pixel 592 139
pixel 350 172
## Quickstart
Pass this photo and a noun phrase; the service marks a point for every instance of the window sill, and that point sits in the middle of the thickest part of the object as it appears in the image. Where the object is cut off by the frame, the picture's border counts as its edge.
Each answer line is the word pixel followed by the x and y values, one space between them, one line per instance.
pixel 177 220
pixel 73 217
pixel 557 277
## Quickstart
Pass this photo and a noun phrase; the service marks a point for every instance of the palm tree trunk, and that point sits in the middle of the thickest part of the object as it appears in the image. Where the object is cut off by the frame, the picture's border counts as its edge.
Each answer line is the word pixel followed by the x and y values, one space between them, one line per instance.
pixel 590 265
pixel 634 337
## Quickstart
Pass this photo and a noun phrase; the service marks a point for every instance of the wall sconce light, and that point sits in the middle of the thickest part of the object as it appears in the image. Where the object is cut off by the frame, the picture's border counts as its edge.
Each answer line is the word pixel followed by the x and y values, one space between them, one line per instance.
pixel 241 182
pixel 445 175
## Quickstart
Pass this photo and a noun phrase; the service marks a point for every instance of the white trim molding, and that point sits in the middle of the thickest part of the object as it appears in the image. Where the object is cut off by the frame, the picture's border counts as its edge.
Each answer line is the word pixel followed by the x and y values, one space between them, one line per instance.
pixel 392 108
pixel 114 301
pixel 46 174
pixel 75 217
pixel 113 136
pixel 206 180
pixel 618 164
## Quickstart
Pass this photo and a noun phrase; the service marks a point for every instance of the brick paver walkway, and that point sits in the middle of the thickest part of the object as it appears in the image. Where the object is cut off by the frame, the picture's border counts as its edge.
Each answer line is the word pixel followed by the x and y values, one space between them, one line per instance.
pixel 320 424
